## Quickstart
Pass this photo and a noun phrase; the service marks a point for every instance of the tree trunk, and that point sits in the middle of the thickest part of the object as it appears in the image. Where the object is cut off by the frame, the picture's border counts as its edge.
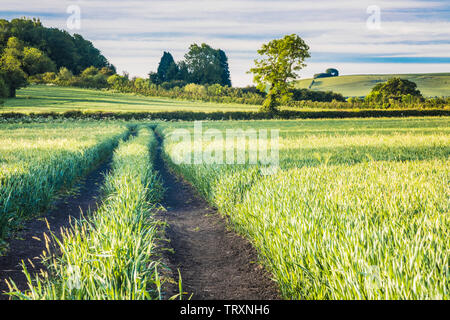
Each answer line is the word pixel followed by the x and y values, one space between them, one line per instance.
pixel 12 92
pixel 271 103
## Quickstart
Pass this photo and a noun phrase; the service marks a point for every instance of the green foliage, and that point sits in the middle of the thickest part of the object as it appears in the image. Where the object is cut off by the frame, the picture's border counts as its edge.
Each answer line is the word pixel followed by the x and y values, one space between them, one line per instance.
pixel 49 77
pixel 225 77
pixel 73 115
pixel 206 65
pixel 107 71
pixel 395 91
pixel 281 59
pixel 11 66
pixel 72 52
pixel 64 75
pixel 167 69
pixel 18 62
pixel 36 62
pixel 195 89
pixel 333 72
pixel 202 65
pixel 396 88
pixel 140 83
pixel 89 72
pixel 153 78
pixel 117 82
pixel 89 78
pixel 310 95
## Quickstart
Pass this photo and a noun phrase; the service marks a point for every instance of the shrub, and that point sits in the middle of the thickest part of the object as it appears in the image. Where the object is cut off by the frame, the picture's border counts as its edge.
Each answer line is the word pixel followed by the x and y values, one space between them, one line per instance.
pixel 64 74
pixel 196 89
pixel 49 77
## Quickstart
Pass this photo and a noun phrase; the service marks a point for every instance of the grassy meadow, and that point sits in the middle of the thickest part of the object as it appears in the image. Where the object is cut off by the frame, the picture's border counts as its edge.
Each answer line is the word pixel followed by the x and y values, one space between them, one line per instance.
pixel 42 98
pixel 431 85
pixel 358 210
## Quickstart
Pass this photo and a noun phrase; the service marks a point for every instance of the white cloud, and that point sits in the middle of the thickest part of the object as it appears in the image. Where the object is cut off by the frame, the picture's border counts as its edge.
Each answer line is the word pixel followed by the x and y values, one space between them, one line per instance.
pixel 133 34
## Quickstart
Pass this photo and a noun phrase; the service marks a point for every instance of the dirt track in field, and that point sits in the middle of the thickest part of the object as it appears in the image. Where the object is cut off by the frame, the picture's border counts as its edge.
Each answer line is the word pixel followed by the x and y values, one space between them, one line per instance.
pixel 25 246
pixel 214 262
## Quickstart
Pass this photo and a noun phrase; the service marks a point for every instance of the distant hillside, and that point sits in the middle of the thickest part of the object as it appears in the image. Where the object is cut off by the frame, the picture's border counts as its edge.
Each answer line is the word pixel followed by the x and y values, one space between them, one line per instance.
pixel 430 84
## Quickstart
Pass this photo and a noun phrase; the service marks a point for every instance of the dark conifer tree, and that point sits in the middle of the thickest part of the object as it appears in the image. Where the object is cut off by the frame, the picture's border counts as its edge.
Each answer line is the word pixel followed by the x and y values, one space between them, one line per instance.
pixel 167 69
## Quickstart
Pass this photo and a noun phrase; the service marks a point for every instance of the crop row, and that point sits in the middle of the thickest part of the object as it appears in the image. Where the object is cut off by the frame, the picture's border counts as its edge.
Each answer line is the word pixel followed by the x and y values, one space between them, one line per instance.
pixel 37 161
pixel 109 254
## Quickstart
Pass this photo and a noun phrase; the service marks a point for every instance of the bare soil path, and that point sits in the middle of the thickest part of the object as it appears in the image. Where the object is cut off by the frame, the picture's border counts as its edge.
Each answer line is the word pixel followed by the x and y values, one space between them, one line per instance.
pixel 214 262
pixel 26 246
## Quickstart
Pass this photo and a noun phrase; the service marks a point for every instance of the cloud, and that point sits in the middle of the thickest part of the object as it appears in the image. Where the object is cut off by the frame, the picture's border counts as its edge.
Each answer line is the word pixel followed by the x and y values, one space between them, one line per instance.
pixel 133 34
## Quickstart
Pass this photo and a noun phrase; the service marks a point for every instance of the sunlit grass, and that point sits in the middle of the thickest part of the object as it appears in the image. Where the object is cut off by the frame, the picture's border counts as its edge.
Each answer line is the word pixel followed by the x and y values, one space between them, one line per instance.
pixel 359 210
pixel 109 255
pixel 37 160
pixel 41 98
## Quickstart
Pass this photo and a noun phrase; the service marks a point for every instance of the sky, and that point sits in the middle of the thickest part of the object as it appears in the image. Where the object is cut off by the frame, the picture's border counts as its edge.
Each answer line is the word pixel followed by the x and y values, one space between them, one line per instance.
pixel 354 36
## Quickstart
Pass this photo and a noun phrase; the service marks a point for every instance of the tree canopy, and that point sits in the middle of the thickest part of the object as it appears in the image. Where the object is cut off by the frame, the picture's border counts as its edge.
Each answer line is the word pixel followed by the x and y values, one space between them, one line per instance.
pixel 17 62
pixel 397 87
pixel 167 69
pixel 281 59
pixel 73 52
pixel 206 65
pixel 201 65
pixel 30 50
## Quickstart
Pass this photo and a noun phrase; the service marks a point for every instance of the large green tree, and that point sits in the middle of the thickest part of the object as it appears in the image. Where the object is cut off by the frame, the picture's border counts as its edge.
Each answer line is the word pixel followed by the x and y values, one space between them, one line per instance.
pixel 281 59
pixel 397 87
pixel 206 65
pixel 393 89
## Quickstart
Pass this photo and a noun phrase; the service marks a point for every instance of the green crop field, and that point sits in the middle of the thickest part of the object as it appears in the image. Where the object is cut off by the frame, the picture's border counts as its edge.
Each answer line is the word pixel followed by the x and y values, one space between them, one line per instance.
pixel 37 160
pixel 356 209
pixel 112 254
pixel 431 85
pixel 41 98
pixel 359 209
